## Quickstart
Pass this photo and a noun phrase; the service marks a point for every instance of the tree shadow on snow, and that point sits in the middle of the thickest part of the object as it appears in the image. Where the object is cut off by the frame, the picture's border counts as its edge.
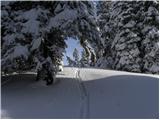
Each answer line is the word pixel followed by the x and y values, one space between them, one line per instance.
pixel 23 97
pixel 123 96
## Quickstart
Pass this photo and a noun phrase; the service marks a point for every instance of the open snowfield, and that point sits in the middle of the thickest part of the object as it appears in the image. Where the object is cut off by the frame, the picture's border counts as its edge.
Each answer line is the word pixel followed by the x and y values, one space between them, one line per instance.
pixel 81 93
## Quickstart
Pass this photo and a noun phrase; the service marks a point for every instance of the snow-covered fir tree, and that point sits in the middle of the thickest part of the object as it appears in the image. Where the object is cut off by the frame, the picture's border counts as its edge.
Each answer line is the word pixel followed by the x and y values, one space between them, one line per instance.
pixel 75 62
pixel 33 33
pixel 71 62
pixel 105 59
pixel 78 61
pixel 84 61
pixel 130 35
pixel 148 24
pixel 126 52
pixel 76 56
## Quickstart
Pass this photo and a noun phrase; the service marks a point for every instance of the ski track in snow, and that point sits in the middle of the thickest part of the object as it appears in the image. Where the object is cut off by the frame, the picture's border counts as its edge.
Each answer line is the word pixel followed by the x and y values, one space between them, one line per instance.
pixel 84 96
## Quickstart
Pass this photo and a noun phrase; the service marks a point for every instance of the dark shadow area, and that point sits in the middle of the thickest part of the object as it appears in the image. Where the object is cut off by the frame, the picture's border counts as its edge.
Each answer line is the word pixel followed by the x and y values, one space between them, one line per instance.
pixel 23 97
pixel 124 97
pixel 18 78
pixel 118 97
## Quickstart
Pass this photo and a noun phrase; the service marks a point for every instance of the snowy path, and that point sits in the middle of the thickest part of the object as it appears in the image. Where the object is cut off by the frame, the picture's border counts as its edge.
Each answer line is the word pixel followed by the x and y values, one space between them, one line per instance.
pixel 82 93
pixel 84 97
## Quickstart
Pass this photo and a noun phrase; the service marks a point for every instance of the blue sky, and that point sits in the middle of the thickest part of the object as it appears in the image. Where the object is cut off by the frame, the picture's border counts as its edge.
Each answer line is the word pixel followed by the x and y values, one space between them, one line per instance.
pixel 72 44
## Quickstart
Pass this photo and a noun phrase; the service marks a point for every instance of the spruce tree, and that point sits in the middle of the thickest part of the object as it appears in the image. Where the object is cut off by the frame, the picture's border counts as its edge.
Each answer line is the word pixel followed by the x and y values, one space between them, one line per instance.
pixel 105 59
pixel 71 63
pixel 148 23
pixel 84 61
pixel 129 35
pixel 76 56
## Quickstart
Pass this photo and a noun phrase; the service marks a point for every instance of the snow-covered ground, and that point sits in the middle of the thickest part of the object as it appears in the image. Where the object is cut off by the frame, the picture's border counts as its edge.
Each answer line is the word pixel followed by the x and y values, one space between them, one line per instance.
pixel 81 93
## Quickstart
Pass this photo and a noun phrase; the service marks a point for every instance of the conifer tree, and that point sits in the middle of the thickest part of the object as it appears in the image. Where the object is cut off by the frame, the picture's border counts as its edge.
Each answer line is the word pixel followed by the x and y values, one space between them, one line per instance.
pixel 130 35
pixel 71 62
pixel 76 56
pixel 84 61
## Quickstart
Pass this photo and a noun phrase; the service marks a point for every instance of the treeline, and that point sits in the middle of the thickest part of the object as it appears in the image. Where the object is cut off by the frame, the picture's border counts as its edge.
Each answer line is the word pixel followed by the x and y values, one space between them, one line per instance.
pixel 119 35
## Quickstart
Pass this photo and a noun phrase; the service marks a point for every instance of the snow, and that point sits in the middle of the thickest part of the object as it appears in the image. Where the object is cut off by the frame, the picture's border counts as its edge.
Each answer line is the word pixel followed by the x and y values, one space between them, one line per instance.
pixel 4 13
pixel 130 24
pixel 32 25
pixel 20 51
pixel 9 39
pixel 154 68
pixel 35 44
pixel 58 8
pixel 17 51
pixel 81 93
pixel 63 18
